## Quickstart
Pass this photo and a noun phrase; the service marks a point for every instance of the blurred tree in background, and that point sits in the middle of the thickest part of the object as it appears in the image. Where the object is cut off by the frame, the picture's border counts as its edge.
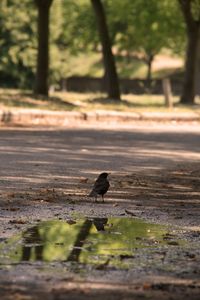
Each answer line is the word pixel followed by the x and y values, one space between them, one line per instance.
pixel 191 13
pixel 143 28
pixel 42 70
pixel 138 28
pixel 18 46
pixel 111 77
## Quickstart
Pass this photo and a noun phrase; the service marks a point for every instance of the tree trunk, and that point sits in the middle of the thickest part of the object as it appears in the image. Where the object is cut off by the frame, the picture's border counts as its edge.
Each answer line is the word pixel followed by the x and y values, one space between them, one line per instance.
pixel 197 77
pixel 149 68
pixel 188 92
pixel 30 236
pixel 41 80
pixel 149 62
pixel 193 28
pixel 111 78
pixel 80 240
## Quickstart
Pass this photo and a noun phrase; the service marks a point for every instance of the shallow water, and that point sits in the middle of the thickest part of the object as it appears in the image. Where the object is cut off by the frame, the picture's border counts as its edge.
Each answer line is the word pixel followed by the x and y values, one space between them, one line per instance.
pixel 86 241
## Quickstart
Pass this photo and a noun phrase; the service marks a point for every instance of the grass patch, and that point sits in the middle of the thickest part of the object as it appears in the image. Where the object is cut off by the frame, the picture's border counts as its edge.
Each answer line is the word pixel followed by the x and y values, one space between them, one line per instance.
pixel 91 64
pixel 12 98
pixel 68 101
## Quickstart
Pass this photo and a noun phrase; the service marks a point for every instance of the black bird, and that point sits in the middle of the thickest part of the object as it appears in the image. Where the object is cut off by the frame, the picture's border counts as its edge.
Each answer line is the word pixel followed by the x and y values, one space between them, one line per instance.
pixel 100 187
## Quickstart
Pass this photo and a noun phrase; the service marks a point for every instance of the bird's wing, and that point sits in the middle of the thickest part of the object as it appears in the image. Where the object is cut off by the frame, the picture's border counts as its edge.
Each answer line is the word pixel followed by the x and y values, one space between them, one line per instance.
pixel 101 186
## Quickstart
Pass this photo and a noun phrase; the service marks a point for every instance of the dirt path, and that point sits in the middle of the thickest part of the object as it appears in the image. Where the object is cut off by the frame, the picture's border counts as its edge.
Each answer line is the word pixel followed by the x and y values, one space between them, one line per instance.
pixel 46 173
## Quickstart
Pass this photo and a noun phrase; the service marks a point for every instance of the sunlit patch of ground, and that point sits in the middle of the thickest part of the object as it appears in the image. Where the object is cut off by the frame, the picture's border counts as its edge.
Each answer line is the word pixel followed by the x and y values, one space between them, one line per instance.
pixel 84 102
pixel 46 174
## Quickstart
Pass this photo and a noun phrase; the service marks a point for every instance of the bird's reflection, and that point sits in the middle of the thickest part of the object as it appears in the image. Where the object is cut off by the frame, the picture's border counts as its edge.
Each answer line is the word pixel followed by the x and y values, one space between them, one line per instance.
pixel 100 223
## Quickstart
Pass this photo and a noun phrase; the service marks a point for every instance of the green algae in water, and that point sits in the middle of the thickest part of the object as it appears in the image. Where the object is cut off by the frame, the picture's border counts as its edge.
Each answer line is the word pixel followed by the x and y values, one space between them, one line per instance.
pixel 85 241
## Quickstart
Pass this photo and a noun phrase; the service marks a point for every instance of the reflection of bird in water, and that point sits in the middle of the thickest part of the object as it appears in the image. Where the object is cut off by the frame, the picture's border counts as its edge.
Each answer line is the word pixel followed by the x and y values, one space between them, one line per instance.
pixel 99 223
pixel 100 187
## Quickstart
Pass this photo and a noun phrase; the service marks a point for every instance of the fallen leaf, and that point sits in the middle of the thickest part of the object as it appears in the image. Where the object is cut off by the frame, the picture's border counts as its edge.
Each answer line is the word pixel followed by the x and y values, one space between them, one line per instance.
pixel 126 183
pixel 71 222
pixel 147 286
pixel 83 180
pixel 126 256
pixel 10 195
pixel 173 243
pixel 14 208
pixel 102 266
pixel 17 221
pixel 191 255
pixel 129 212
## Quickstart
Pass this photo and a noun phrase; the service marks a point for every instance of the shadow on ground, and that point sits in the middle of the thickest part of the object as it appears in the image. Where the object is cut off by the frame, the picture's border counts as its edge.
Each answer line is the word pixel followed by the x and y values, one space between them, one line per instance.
pixel 29 100
pixel 156 169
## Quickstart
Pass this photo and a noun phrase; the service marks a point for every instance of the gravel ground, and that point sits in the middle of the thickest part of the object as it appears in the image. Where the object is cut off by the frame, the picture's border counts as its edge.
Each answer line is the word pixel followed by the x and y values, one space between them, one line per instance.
pixel 46 173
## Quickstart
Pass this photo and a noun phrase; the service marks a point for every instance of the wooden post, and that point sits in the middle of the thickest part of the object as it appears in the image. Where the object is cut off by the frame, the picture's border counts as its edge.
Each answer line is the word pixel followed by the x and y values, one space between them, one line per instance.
pixel 64 84
pixel 167 92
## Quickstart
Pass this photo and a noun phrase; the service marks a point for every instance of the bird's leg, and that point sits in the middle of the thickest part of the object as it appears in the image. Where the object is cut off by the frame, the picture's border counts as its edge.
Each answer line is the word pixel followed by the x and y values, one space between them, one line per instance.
pixel 102 198
pixel 95 198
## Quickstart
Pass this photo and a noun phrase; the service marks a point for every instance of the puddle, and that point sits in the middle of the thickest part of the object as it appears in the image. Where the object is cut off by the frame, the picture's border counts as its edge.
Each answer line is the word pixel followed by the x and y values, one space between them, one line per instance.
pixel 86 241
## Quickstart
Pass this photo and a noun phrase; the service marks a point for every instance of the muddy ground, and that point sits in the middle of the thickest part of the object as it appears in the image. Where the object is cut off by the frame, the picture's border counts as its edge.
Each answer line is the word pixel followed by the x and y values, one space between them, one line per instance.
pixel 46 173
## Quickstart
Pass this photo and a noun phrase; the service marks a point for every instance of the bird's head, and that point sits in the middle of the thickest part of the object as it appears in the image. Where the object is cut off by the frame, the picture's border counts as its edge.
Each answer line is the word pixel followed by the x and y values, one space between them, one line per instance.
pixel 103 175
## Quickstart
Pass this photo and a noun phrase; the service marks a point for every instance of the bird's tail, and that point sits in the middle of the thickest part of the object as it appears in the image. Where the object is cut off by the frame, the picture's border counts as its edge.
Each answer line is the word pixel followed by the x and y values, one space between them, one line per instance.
pixel 92 194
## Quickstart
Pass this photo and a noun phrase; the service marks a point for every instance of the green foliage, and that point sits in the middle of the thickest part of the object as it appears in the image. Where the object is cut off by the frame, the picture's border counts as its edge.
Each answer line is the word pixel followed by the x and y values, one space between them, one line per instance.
pixel 17 41
pixel 146 26
pixel 196 10
pixel 140 28
pixel 70 35
pixel 121 237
